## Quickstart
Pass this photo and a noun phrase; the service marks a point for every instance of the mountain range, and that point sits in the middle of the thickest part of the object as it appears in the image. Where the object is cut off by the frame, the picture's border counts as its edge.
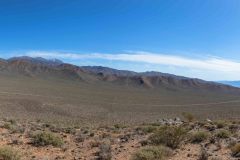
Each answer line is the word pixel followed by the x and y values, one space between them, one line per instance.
pixel 40 67
pixel 38 88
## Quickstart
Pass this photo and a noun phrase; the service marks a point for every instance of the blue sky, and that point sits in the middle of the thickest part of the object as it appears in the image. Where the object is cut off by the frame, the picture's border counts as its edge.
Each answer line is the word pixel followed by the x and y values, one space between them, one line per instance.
pixel 195 38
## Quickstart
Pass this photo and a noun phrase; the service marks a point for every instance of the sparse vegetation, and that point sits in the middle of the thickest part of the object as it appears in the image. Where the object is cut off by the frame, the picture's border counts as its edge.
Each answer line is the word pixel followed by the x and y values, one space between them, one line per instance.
pixel 222 133
pixel 152 153
pixel 170 136
pixel 220 124
pixel 13 128
pixel 8 153
pixel 143 142
pixel 199 136
pixel 46 138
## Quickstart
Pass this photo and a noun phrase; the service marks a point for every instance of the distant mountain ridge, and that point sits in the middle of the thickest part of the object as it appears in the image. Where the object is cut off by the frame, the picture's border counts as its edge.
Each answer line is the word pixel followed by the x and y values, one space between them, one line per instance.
pixel 111 71
pixel 231 83
pixel 41 68
pixel 37 60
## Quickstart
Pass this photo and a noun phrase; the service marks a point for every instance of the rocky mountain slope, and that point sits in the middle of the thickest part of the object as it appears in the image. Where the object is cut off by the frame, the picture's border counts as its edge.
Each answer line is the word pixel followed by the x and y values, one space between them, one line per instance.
pixel 40 67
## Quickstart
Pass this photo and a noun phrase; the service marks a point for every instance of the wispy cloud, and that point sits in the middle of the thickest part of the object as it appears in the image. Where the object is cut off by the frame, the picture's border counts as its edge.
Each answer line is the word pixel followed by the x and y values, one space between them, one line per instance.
pixel 208 67
pixel 208 63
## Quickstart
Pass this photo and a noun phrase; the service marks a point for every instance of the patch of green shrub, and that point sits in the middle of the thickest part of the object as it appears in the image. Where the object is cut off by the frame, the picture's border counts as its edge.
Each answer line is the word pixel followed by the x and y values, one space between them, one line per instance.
pixel 47 138
pixel 152 153
pixel 222 134
pixel 199 136
pixel 170 136
pixel 220 124
pixel 8 153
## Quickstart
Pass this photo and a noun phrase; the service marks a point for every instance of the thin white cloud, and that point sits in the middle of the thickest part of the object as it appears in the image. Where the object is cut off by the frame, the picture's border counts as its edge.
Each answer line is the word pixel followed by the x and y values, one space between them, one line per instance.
pixel 208 64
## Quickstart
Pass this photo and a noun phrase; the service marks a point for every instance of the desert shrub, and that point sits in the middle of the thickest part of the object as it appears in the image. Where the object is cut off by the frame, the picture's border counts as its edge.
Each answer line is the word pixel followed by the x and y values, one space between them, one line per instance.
pixel 199 136
pixel 105 151
pixel 233 128
pixel 222 134
pixel 220 124
pixel 13 128
pixel 236 150
pixel 203 155
pixel 12 121
pixel 7 153
pixel 148 128
pixel 188 116
pixel 152 153
pixel 47 138
pixel 170 136
pixel 8 126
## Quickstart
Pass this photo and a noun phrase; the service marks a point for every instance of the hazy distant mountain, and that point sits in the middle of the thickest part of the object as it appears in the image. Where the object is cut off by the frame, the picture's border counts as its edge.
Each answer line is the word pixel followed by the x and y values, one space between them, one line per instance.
pixel 43 68
pixel 232 83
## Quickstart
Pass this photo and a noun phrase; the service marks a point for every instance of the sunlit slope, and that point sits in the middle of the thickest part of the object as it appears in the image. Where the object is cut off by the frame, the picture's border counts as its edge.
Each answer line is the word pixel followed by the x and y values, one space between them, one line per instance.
pixel 77 95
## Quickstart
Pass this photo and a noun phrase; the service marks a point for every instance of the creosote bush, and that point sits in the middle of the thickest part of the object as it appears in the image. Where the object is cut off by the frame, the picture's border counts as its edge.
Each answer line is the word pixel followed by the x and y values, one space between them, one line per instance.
pixel 220 124
pixel 222 134
pixel 8 153
pixel 47 138
pixel 199 136
pixel 152 153
pixel 170 136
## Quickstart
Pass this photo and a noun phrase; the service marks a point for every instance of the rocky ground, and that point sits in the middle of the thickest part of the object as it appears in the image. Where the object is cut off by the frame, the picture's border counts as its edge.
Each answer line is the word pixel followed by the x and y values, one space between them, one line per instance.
pixel 171 139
